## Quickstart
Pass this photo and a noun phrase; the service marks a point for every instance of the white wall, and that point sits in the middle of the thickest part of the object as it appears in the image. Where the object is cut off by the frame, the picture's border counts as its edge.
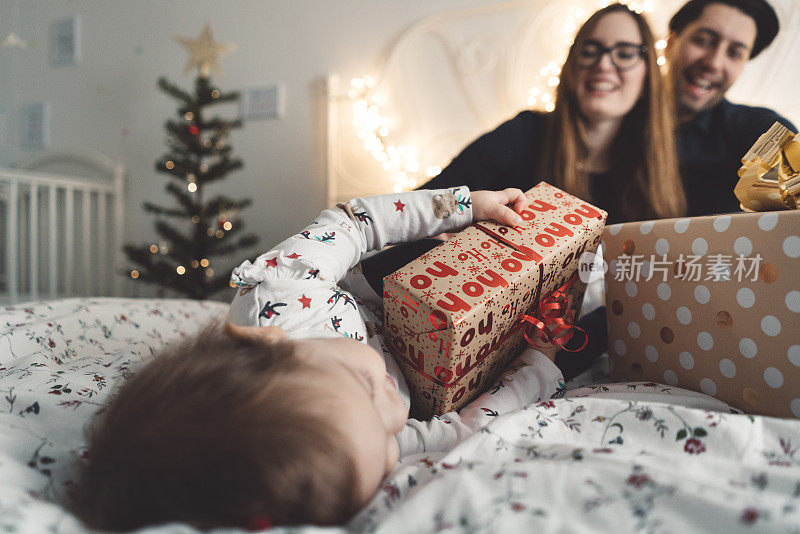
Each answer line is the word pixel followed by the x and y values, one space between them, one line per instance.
pixel 128 44
pixel 109 102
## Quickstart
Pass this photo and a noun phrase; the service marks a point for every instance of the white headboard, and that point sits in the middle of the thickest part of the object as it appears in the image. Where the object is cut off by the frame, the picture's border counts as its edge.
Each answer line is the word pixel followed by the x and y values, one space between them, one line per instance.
pixel 457 74
pixel 63 215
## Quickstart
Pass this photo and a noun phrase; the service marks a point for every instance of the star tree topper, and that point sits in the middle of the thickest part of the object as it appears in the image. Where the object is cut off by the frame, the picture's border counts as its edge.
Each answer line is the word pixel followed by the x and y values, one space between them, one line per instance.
pixel 204 52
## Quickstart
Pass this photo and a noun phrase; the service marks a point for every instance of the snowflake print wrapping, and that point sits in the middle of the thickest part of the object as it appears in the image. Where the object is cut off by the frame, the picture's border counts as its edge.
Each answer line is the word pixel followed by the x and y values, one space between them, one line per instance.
pixel 453 316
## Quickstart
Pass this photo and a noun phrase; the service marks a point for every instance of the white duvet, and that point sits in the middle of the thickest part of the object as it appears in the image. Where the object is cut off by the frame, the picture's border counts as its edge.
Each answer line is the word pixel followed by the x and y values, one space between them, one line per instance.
pixel 623 460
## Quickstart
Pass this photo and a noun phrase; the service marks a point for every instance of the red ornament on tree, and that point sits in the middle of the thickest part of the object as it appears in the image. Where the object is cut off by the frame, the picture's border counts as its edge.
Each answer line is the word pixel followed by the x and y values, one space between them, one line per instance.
pixel 193 130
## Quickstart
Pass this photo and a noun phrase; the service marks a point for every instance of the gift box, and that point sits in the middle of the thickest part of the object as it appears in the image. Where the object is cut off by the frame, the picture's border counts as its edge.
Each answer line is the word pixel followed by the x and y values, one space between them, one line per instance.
pixel 454 317
pixel 710 304
pixel 769 178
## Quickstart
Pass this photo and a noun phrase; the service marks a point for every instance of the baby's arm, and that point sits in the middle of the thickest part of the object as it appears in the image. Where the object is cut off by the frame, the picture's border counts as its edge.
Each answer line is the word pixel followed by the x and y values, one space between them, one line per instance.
pixel 279 283
pixel 275 290
pixel 401 217
pixel 531 378
pixel 338 238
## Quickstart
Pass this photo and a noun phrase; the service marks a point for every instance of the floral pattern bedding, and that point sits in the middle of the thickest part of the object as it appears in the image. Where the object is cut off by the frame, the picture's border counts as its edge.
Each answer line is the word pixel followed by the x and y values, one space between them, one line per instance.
pixel 585 463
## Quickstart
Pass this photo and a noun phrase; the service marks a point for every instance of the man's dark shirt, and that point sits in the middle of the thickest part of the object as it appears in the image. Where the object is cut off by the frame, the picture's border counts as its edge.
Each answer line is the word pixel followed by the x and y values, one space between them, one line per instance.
pixel 710 150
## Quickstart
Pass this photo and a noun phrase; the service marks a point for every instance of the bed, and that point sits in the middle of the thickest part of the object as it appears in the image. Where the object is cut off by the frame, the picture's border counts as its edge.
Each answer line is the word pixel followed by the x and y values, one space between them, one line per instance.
pixel 606 458
pixel 589 462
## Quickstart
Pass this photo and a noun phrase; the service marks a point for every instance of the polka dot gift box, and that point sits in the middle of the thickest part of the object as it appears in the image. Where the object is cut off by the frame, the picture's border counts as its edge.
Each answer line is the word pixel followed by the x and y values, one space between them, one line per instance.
pixel 710 304
pixel 453 317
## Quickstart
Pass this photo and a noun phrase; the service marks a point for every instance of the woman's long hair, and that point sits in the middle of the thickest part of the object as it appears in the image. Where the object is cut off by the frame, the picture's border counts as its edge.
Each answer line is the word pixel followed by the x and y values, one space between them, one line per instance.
pixel 643 161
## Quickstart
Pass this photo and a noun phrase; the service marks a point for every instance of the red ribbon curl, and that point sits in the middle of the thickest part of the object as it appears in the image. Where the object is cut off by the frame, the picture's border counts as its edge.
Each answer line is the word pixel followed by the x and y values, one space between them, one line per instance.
pixel 553 323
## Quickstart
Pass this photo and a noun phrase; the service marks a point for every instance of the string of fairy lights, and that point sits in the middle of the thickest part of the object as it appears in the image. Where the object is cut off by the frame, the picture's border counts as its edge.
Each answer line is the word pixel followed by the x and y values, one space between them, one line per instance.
pixel 224 223
pixel 401 162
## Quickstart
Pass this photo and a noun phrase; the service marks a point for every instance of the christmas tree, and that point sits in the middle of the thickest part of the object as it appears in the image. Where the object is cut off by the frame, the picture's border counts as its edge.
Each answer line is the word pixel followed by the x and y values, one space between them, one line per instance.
pixel 198 155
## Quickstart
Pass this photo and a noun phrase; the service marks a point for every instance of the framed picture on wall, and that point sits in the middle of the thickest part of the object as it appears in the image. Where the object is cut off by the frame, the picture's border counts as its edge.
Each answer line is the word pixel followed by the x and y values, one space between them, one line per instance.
pixel 35 126
pixel 264 102
pixel 65 42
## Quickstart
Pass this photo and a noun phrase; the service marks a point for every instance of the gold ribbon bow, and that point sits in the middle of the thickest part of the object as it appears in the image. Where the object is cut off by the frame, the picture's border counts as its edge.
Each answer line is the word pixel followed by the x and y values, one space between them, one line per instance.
pixel 769 178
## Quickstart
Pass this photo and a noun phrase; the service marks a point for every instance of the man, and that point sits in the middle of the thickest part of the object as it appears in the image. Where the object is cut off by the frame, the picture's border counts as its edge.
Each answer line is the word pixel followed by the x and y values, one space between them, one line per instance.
pixel 709 44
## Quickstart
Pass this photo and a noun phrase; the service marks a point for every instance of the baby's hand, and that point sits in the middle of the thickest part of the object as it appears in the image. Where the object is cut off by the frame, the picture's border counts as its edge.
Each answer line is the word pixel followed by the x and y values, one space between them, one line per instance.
pixel 493 205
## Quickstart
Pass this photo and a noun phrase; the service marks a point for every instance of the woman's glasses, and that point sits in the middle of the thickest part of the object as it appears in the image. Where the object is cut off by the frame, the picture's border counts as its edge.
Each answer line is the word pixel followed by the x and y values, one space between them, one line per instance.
pixel 624 56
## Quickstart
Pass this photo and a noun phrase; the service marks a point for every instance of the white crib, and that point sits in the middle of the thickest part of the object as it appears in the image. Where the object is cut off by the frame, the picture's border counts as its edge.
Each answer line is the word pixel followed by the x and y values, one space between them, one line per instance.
pixel 61 225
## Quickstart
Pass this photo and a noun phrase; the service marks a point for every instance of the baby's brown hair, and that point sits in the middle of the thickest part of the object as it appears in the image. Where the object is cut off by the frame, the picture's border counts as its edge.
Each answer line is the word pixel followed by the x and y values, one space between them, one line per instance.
pixel 216 431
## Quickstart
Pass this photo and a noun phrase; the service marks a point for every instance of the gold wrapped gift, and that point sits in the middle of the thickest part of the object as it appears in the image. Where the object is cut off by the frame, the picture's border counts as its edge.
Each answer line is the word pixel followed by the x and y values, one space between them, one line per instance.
pixel 769 178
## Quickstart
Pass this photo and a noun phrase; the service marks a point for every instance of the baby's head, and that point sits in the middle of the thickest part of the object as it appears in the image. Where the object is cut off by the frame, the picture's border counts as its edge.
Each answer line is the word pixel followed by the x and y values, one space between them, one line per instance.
pixel 240 424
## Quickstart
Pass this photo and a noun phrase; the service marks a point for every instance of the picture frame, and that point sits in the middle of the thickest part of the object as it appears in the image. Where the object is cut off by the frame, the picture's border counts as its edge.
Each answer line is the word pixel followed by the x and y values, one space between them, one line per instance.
pixel 35 126
pixel 264 102
pixel 65 41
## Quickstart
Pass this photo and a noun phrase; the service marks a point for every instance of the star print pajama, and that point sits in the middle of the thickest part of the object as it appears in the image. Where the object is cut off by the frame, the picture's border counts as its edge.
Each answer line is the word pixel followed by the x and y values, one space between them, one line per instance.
pixel 302 285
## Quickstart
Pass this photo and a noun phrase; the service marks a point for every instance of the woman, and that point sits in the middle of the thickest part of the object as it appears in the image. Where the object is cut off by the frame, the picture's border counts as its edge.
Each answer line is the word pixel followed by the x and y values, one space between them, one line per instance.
pixel 610 138
pixel 610 141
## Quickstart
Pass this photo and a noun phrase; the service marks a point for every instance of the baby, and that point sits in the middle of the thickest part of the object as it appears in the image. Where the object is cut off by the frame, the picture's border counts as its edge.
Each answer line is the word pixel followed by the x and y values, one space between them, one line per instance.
pixel 293 411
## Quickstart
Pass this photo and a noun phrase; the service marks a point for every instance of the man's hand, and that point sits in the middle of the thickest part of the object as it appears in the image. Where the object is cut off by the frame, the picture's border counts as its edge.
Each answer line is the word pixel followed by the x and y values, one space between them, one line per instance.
pixel 494 205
